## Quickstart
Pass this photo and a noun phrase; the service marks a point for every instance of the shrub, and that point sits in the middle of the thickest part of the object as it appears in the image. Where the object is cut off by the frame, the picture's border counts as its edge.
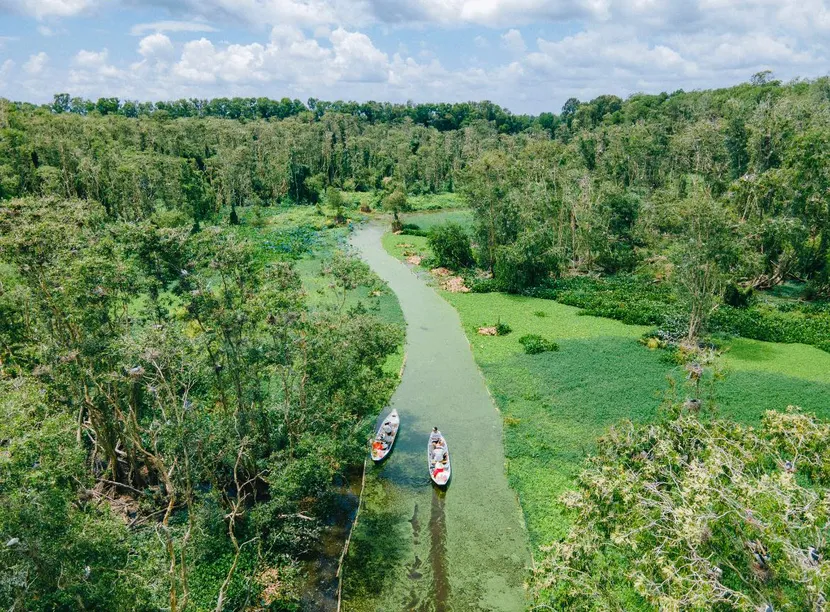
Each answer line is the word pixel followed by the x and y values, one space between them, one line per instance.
pixel 485 285
pixel 636 300
pixel 450 246
pixel 527 262
pixel 535 344
pixel 737 296
pixel 411 229
pixel 502 329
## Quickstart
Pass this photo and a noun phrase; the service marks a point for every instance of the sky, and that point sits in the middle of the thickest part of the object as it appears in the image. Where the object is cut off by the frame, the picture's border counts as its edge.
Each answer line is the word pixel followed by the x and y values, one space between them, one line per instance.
pixel 526 55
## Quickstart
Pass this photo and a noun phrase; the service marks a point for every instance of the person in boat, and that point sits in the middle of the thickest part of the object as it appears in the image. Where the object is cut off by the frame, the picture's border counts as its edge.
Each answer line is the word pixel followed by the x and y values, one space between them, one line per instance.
pixel 439 455
pixel 386 432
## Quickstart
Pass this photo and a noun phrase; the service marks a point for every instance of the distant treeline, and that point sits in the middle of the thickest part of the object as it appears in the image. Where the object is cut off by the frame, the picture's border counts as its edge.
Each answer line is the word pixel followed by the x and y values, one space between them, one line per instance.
pixel 441 116
pixel 607 109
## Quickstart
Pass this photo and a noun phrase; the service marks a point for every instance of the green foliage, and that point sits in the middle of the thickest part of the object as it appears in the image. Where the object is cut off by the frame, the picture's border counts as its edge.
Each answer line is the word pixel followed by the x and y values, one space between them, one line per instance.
pixel 528 262
pixel 334 200
pixel 61 548
pixel 450 245
pixel 535 344
pixel 412 229
pixel 706 255
pixel 737 296
pixel 485 285
pixel 554 408
pixel 396 202
pixel 736 518
pixel 183 380
pixel 634 300
pixel 618 213
pixel 502 328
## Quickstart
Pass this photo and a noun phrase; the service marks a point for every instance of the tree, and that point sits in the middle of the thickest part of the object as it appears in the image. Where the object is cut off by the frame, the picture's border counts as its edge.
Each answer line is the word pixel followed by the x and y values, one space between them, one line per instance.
pixel 396 203
pixel 706 255
pixel 334 200
pixel 61 103
pixel 107 106
pixel 691 514
pixel 61 548
pixel 527 262
pixel 487 183
pixel 764 77
pixel 569 110
pixel 450 246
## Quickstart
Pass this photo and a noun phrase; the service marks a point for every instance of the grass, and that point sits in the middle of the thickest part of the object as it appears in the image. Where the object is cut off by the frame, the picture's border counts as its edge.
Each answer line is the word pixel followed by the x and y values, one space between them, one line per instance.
pixel 556 404
pixel 432 201
pixel 436 201
pixel 428 220
pixel 401 246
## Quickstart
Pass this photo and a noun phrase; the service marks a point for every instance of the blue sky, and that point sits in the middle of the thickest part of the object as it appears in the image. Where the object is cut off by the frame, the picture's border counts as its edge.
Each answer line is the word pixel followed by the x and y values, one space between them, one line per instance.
pixel 527 55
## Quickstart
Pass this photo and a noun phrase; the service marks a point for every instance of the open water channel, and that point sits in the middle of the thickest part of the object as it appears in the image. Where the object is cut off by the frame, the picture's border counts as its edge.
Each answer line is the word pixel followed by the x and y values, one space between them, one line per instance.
pixel 416 547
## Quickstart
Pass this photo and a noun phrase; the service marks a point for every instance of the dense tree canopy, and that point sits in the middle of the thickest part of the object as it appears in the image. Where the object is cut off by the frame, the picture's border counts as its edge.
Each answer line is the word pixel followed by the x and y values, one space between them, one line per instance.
pixel 169 392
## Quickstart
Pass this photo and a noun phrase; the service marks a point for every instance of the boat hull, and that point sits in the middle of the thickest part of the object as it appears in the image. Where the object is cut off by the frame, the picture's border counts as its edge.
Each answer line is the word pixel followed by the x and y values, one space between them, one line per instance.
pixel 440 472
pixel 377 453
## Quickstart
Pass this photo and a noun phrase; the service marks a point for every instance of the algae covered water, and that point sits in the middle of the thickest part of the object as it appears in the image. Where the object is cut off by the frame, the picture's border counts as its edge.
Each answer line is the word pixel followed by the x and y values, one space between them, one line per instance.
pixel 417 547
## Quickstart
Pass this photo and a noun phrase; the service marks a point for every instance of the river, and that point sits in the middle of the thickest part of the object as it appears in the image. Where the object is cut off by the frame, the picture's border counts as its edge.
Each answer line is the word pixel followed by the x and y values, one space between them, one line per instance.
pixel 416 547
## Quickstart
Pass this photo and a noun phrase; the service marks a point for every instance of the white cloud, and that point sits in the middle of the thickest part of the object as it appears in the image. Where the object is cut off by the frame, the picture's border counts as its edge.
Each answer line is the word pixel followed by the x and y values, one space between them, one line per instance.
pixel 315 49
pixel 156 45
pixel 91 59
pixel 171 26
pixel 35 64
pixel 40 9
pixel 5 70
pixel 288 57
pixel 513 41
pixel 357 59
pixel 45 31
pixel 93 75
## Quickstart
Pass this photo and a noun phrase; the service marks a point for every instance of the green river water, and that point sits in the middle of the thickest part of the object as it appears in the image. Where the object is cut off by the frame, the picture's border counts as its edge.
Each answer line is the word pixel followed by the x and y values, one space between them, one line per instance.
pixel 416 547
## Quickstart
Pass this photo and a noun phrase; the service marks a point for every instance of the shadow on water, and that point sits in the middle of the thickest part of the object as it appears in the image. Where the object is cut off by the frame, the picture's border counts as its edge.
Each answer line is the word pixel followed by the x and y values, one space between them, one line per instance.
pixel 375 549
pixel 435 598
pixel 438 551
pixel 320 563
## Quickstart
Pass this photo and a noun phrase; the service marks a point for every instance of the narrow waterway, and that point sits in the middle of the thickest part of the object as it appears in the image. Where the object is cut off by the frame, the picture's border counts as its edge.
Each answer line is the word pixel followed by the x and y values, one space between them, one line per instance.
pixel 416 547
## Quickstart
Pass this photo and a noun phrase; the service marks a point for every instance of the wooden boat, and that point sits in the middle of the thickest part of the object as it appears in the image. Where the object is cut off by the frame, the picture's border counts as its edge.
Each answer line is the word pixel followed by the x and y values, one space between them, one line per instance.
pixel 384 441
pixel 439 470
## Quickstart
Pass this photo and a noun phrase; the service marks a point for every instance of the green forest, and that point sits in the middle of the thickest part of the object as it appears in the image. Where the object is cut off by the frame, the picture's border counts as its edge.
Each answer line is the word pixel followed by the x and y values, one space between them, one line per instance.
pixel 192 360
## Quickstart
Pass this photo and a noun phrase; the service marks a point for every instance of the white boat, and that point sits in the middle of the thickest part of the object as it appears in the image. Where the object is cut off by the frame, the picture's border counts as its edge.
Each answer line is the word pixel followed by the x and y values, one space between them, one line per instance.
pixel 438 458
pixel 385 437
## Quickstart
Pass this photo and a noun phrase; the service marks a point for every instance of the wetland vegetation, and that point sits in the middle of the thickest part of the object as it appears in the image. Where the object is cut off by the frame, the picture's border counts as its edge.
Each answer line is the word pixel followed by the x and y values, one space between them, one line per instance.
pixel 192 359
